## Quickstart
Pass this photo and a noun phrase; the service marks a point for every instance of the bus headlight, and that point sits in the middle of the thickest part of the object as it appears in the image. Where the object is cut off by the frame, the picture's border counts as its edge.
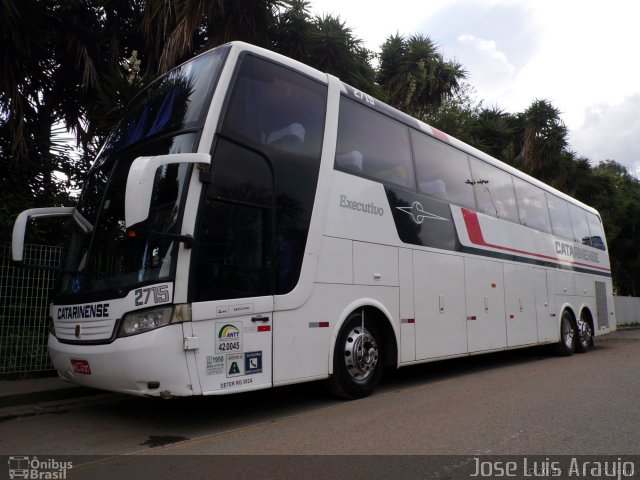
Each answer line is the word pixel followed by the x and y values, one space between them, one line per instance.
pixel 145 320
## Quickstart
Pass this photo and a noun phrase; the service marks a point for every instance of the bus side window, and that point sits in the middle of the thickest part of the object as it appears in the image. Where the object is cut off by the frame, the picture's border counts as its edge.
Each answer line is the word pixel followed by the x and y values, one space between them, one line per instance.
pixel 351 161
pixel 280 113
pixel 494 191
pixel 560 217
pixel 596 231
pixel 532 206
pixel 274 107
pixel 442 171
pixel 580 226
pixel 373 145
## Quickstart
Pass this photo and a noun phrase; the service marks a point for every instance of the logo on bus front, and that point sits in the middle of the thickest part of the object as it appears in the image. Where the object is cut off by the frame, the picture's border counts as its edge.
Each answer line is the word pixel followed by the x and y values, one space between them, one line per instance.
pixel 229 337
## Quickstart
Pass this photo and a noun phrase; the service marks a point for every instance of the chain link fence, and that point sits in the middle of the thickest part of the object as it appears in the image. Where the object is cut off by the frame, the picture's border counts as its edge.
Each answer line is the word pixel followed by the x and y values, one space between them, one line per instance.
pixel 24 308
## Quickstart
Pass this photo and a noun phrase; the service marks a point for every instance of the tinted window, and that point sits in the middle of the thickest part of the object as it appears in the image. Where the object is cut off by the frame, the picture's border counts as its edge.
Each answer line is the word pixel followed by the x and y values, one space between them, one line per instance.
pixel 442 171
pixel 597 233
pixel 175 101
pixel 494 191
pixel 234 256
pixel 532 206
pixel 233 251
pixel 580 226
pixel 373 145
pixel 560 218
pixel 273 108
pixel 107 257
pixel 281 114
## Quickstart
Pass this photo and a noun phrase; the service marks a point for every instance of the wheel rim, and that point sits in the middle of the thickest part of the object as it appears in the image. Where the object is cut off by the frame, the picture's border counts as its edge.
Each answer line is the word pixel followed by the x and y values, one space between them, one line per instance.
pixel 567 332
pixel 585 333
pixel 361 353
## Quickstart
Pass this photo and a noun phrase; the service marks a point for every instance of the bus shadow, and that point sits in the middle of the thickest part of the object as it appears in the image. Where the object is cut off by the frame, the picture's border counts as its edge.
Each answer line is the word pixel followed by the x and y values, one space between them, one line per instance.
pixel 184 418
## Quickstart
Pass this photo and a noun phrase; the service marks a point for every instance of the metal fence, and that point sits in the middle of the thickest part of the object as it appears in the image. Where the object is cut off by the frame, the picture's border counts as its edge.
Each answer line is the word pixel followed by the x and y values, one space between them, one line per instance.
pixel 24 308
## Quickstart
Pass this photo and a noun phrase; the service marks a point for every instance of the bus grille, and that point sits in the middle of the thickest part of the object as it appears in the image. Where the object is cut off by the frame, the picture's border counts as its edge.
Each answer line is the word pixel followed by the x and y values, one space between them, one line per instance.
pixel 84 330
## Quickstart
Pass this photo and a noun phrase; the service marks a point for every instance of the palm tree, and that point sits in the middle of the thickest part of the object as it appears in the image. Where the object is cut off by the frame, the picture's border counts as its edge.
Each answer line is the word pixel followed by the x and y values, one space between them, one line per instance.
pixel 544 136
pixel 334 49
pixel 177 29
pixel 415 75
pixel 56 60
pixel 495 132
pixel 293 30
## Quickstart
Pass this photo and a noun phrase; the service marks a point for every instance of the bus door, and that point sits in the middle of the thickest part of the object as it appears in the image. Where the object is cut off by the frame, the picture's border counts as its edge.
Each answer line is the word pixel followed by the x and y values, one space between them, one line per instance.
pixel 234 344
pixel 233 277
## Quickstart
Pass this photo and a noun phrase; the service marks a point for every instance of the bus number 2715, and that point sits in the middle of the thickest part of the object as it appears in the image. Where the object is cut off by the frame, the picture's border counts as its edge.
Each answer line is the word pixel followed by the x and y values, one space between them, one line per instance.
pixel 153 295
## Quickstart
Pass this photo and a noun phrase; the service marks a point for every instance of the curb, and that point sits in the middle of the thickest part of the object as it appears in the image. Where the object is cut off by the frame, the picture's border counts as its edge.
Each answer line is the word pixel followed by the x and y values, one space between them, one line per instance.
pixel 39 403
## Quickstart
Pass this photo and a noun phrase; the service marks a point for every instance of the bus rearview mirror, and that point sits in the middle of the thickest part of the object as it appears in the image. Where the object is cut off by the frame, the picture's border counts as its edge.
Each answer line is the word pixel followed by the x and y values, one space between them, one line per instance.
pixel 141 179
pixel 20 226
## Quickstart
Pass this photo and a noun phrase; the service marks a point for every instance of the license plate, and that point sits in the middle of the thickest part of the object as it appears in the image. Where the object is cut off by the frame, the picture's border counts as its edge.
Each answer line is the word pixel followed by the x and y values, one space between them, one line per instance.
pixel 81 366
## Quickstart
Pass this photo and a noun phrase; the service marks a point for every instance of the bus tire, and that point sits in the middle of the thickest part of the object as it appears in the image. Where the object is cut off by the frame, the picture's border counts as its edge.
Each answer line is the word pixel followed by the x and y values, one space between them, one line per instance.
pixel 358 358
pixel 567 344
pixel 585 335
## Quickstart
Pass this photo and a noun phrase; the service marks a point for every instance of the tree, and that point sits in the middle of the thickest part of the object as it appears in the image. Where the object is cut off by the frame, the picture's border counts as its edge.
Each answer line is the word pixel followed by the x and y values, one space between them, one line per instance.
pixel 57 61
pixel 616 195
pixel 177 29
pixel 334 49
pixel 544 136
pixel 495 132
pixel 457 114
pixel 293 30
pixel 415 76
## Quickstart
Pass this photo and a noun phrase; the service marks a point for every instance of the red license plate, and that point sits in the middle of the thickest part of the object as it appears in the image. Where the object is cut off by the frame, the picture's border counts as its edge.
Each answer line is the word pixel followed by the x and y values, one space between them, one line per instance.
pixel 81 366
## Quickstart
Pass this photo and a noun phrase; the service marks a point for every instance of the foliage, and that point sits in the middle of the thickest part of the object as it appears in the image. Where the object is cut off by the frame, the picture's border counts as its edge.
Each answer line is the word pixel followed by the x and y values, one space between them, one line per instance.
pixel 70 68
pixel 414 76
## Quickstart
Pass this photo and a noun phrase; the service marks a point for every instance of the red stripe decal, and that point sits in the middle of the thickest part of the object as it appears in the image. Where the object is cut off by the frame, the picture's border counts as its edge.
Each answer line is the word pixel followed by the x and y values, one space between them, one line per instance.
pixel 476 237
pixel 441 135
pixel 264 328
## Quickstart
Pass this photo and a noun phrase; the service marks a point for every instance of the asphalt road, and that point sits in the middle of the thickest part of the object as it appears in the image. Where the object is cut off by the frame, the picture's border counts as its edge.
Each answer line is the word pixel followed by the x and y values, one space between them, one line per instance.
pixel 525 402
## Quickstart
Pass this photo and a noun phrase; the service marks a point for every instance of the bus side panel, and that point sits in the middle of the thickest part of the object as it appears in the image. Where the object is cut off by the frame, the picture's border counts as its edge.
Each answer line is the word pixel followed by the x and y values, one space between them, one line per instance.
pixel 484 288
pixel 407 310
pixel 548 327
pixel 302 341
pixel 520 304
pixel 441 327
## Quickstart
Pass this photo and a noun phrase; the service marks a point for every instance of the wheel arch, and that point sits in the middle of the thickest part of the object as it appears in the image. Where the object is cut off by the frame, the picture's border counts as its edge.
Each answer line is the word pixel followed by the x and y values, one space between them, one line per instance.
pixel 382 317
pixel 567 307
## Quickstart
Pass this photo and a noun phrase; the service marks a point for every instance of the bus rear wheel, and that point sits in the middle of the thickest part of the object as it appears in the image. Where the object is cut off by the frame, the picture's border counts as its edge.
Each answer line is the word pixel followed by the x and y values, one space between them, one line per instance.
pixel 357 359
pixel 585 336
pixel 567 344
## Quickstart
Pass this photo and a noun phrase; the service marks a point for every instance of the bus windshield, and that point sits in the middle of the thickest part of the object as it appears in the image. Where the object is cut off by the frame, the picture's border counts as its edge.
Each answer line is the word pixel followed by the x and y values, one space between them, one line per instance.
pixel 163 119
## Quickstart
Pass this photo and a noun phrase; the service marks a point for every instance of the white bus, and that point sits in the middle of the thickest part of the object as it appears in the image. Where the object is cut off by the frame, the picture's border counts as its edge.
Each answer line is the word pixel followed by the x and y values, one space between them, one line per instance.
pixel 252 222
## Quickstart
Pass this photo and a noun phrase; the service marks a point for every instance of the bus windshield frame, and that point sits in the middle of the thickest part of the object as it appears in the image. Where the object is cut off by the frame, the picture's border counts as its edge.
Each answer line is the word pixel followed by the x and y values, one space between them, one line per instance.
pixel 165 118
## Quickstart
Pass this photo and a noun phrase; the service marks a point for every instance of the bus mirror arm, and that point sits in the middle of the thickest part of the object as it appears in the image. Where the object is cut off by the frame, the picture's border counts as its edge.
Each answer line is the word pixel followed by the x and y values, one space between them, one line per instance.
pixel 188 240
pixel 20 226
pixel 140 182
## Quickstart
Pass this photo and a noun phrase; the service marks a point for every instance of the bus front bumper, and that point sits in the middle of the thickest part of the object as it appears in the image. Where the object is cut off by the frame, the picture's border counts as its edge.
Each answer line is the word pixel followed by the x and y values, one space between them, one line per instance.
pixel 150 364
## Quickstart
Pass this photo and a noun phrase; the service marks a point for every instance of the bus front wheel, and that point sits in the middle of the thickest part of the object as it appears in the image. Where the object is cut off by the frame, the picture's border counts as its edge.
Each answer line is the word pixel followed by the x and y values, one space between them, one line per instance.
pixel 357 358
